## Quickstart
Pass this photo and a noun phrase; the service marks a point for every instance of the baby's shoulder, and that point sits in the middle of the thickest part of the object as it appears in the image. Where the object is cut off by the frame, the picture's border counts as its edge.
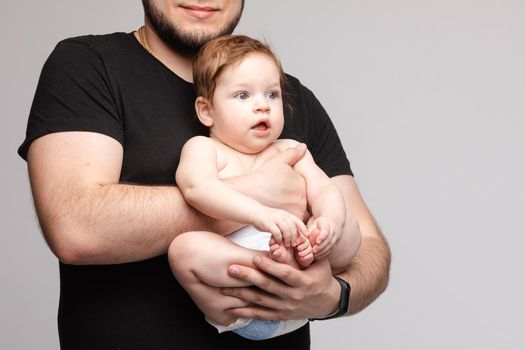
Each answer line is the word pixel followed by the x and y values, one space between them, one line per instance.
pixel 199 140
pixel 202 146
pixel 202 143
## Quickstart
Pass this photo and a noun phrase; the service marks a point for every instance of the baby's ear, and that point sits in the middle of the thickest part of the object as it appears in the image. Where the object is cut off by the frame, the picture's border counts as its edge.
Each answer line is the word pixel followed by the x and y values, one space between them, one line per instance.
pixel 204 111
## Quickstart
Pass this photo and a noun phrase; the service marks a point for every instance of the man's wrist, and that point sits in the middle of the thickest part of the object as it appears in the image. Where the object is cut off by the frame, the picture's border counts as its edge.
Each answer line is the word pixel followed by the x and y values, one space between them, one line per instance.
pixel 343 300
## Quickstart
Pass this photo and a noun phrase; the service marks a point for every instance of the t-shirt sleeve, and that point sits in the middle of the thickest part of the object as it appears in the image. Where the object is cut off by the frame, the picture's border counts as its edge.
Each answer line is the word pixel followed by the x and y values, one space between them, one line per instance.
pixel 324 142
pixel 73 94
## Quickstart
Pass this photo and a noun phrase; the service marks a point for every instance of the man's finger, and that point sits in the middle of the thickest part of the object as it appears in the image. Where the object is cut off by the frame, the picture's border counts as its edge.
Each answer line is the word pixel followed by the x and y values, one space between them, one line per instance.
pixel 283 272
pixel 254 312
pixel 233 302
pixel 293 154
pixel 249 295
pixel 258 279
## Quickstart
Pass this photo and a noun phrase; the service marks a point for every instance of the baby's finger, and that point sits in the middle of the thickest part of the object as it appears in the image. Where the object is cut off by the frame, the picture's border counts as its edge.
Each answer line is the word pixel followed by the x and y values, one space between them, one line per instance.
pixel 326 250
pixel 324 243
pixel 304 248
pixel 324 230
pixel 311 226
pixel 322 256
pixel 301 230
pixel 285 232
pixel 293 228
pixel 321 241
pixel 313 236
pixel 310 221
pixel 276 234
pixel 275 251
pixel 322 252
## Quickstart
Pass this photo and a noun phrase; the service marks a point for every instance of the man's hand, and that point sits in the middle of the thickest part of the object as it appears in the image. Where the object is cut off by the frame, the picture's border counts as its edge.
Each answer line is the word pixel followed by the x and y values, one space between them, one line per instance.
pixel 214 304
pixel 276 184
pixel 283 292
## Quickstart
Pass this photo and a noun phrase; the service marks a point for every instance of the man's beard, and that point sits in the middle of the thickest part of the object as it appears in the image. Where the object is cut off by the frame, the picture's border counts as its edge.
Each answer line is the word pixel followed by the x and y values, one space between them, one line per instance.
pixel 187 44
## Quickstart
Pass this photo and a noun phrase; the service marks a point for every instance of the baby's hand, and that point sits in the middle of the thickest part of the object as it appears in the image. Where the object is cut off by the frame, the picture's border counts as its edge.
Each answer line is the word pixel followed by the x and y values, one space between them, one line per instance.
pixel 284 227
pixel 324 233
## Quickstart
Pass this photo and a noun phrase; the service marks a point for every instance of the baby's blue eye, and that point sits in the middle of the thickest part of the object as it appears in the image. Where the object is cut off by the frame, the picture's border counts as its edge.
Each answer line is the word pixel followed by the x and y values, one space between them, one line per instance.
pixel 273 94
pixel 242 95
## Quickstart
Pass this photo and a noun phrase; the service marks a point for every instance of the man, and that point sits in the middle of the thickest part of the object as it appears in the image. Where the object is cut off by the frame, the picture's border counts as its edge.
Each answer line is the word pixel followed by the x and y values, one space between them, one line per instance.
pixel 107 124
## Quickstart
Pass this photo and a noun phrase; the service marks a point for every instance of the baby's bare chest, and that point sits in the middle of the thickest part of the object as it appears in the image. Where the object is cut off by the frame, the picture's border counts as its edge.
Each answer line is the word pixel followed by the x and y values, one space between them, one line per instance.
pixel 233 163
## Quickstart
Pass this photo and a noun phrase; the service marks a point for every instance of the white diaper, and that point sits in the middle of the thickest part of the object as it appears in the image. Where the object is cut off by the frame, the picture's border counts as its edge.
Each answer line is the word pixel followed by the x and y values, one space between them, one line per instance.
pixel 251 238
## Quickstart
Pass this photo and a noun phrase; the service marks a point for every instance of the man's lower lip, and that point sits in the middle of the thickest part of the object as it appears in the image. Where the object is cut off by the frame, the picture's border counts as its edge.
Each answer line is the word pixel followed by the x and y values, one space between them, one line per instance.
pixel 199 13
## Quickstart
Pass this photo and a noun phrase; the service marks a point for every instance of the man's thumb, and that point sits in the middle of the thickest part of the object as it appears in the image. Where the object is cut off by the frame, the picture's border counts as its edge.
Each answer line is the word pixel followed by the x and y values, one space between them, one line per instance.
pixel 293 154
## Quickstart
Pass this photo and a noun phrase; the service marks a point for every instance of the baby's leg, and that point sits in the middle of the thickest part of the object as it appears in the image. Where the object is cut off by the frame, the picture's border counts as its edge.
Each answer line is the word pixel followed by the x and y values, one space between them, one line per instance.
pixel 199 260
pixel 205 256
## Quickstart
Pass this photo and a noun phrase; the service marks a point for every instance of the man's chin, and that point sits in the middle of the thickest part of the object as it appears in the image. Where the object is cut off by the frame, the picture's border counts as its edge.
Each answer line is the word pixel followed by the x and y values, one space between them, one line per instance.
pixel 190 45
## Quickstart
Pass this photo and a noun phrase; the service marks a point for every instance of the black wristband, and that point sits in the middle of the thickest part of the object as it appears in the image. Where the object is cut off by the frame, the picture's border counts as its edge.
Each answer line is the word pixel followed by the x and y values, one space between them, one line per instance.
pixel 344 301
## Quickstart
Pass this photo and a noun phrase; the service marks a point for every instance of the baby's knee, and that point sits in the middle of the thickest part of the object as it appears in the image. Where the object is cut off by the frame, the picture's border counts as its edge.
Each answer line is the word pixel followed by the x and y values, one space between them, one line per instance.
pixel 183 250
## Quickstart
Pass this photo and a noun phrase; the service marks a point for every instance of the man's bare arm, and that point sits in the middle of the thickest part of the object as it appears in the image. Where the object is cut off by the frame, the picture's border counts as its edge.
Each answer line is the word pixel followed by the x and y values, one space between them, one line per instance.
pixel 369 270
pixel 87 217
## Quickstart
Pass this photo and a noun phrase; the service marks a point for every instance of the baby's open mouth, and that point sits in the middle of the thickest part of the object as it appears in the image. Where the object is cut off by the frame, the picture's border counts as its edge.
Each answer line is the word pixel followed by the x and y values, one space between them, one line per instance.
pixel 262 125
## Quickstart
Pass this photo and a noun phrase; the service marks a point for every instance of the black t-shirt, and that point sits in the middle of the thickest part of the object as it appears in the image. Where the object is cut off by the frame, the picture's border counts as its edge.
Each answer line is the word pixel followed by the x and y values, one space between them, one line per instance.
pixel 109 84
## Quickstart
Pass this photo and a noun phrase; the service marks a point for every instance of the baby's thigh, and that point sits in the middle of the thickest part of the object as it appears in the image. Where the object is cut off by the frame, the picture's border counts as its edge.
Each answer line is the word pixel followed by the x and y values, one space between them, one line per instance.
pixel 206 256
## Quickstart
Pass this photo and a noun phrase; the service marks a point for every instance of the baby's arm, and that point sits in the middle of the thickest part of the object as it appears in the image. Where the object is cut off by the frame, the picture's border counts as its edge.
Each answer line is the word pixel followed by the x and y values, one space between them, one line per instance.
pixel 198 178
pixel 326 202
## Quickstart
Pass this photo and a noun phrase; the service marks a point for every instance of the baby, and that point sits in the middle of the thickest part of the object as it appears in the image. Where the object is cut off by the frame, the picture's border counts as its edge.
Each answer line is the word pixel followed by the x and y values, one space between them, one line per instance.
pixel 239 84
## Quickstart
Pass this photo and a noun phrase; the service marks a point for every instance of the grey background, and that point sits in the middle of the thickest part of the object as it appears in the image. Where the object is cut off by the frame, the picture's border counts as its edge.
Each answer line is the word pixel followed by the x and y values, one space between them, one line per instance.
pixel 428 97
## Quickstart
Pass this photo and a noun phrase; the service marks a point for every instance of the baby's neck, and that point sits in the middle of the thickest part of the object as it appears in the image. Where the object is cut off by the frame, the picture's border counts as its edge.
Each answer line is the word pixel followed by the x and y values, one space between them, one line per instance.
pixel 241 150
pixel 248 160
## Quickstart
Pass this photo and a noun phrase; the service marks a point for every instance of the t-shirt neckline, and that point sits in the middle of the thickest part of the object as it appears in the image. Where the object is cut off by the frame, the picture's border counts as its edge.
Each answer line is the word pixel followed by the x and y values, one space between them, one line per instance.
pixel 138 45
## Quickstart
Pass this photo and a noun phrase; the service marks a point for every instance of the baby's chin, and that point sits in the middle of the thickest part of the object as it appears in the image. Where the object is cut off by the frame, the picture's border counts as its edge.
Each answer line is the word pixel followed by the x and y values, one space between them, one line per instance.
pixel 252 150
pixel 253 147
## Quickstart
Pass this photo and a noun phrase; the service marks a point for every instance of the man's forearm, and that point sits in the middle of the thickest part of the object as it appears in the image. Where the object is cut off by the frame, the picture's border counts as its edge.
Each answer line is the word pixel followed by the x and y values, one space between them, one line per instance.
pixel 368 273
pixel 119 223
pixel 369 270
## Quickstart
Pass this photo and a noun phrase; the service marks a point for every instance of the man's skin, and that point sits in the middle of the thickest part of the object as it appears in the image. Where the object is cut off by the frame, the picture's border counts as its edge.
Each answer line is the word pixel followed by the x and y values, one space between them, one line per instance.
pixel 88 217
